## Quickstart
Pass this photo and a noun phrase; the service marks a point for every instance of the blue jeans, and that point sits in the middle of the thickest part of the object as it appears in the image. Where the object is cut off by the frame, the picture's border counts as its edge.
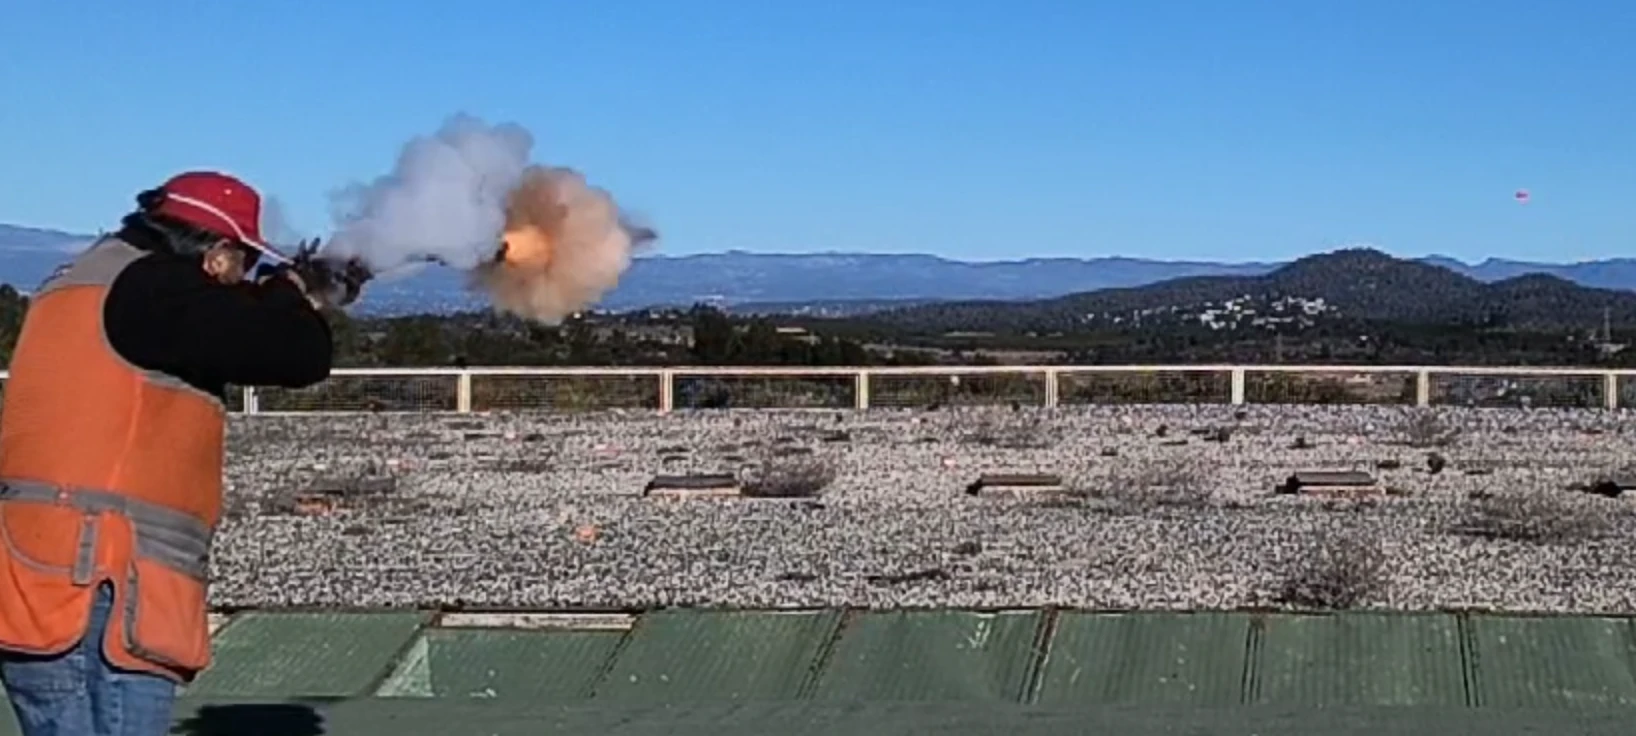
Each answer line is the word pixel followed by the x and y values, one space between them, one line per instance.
pixel 78 692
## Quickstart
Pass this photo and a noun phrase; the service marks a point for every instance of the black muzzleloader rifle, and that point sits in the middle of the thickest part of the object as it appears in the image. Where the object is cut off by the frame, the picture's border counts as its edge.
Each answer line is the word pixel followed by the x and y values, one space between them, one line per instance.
pixel 335 282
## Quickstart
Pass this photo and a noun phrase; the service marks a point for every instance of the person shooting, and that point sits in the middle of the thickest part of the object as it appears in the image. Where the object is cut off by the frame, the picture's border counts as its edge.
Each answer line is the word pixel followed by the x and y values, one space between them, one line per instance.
pixel 112 447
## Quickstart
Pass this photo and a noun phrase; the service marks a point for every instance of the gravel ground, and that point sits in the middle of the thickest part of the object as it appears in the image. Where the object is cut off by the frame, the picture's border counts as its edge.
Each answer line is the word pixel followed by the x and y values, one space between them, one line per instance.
pixel 548 510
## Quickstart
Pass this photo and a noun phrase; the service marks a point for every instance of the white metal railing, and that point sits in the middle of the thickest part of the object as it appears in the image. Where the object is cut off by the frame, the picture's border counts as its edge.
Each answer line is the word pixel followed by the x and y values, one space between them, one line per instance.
pixel 1243 384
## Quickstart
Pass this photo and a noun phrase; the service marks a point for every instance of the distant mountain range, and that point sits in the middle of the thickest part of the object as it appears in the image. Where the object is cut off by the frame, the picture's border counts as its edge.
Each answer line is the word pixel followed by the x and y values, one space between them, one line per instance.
pixel 1354 285
pixel 827 283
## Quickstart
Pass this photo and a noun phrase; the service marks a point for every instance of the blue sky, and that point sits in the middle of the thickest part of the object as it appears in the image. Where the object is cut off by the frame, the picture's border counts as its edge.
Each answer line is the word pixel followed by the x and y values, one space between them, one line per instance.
pixel 1220 130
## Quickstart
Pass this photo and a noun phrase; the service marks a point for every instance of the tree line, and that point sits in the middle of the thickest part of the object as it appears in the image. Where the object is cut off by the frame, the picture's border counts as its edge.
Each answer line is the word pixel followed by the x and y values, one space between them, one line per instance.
pixel 705 335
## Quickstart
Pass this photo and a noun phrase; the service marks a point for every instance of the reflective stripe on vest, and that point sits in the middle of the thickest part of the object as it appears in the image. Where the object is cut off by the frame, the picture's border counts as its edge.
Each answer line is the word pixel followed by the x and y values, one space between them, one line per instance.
pixel 173 539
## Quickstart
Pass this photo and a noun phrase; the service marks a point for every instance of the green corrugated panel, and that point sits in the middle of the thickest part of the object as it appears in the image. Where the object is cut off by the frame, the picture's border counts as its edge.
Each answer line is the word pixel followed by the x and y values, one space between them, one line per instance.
pixel 951 655
pixel 502 717
pixel 305 654
pixel 1552 662
pixel 1146 659
pixel 488 663
pixel 1360 659
pixel 684 655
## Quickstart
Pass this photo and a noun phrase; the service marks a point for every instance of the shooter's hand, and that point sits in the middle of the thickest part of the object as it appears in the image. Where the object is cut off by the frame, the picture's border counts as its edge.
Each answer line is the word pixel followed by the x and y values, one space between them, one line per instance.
pixel 285 272
pixel 300 282
pixel 334 283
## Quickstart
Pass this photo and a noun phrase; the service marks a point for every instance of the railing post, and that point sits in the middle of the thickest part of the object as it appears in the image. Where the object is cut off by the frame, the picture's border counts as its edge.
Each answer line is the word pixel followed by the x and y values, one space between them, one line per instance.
pixel 667 391
pixel 1422 388
pixel 1052 387
pixel 1610 391
pixel 462 393
pixel 250 400
pixel 860 390
pixel 1238 386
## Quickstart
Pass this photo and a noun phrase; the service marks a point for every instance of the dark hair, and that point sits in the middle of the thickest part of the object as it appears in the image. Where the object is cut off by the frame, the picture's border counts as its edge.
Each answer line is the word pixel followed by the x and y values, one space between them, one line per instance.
pixel 166 234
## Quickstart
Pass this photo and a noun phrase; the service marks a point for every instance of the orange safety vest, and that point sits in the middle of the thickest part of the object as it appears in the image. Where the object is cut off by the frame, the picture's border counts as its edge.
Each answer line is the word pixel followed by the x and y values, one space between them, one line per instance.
pixel 108 473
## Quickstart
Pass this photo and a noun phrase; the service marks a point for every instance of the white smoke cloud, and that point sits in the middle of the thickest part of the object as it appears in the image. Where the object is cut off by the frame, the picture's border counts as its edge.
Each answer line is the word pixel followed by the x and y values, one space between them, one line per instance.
pixel 444 199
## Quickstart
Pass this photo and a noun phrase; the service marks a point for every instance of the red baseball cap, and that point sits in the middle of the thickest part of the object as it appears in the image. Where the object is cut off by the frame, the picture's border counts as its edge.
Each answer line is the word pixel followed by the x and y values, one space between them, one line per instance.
pixel 216 203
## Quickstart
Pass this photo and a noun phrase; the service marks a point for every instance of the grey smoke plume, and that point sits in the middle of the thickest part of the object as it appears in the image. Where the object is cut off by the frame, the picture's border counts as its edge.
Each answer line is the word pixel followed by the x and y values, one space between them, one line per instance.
pixel 445 199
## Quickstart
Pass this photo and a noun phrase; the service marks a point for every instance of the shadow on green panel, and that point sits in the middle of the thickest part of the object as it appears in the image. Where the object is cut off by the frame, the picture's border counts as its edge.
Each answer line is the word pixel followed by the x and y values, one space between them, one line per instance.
pixel 1551 662
pixel 932 656
pixel 502 663
pixel 1146 659
pixel 1360 659
pixel 254 719
pixel 677 656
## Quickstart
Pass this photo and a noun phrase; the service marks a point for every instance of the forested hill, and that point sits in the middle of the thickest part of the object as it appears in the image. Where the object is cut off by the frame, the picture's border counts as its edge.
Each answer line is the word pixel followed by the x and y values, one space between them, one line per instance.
pixel 1351 285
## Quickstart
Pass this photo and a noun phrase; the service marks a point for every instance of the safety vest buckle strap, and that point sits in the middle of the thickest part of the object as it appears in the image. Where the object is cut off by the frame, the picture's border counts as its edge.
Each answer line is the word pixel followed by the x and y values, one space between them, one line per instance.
pixel 85 558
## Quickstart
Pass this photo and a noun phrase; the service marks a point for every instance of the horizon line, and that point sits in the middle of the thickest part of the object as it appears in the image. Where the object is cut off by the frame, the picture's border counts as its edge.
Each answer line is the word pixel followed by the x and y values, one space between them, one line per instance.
pixel 652 255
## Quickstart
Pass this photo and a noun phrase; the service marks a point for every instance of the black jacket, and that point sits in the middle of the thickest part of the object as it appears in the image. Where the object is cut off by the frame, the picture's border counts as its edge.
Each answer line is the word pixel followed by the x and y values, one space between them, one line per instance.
pixel 164 313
